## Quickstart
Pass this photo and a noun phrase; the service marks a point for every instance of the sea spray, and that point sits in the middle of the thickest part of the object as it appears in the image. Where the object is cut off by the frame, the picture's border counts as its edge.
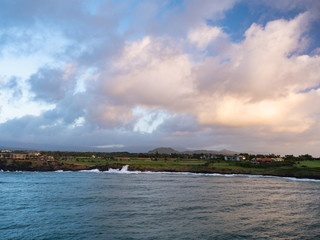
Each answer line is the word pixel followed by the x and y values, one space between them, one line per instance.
pixel 124 170
pixel 91 170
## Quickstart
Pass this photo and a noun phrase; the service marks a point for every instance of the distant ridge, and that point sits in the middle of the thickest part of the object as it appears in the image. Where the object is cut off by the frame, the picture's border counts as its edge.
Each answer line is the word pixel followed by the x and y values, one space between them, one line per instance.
pixel 168 150
pixel 164 150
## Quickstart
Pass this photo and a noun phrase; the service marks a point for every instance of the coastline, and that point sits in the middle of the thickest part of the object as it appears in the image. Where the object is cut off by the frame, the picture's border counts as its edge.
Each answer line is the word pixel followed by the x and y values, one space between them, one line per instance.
pixel 51 166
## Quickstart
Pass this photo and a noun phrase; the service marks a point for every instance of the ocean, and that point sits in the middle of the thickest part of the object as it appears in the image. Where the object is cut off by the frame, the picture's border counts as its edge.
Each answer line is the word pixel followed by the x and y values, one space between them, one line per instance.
pixel 118 204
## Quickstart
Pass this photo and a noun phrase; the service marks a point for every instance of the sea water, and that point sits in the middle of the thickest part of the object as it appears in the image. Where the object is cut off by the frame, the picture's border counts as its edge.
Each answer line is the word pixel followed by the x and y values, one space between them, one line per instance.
pixel 118 204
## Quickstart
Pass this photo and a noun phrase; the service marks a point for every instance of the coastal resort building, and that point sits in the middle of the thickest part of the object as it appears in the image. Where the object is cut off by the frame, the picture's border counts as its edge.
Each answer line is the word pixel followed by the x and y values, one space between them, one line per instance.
pixel 18 156
pixel 264 160
pixel 259 160
pixel 33 155
pixel 47 158
pixel 234 158
pixel 5 153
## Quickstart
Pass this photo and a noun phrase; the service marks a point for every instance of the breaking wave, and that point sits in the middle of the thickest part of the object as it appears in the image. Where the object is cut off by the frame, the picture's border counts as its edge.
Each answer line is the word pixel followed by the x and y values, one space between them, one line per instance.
pixel 241 175
pixel 16 171
pixel 91 170
pixel 244 175
pixel 124 170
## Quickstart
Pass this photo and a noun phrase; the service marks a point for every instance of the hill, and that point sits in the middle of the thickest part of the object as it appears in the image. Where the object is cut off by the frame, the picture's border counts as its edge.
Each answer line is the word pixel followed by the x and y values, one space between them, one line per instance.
pixel 168 150
pixel 163 150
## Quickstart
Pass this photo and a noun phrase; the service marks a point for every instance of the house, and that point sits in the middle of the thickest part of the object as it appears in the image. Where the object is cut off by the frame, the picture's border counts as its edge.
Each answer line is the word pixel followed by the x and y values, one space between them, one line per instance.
pixel 47 158
pixel 6 151
pixel 234 158
pixel 209 157
pixel 18 156
pixel 33 155
pixel 264 160
pixel 4 154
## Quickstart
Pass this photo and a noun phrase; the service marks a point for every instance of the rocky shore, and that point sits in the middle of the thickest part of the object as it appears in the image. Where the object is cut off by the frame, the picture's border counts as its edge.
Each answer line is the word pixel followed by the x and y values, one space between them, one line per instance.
pixel 55 166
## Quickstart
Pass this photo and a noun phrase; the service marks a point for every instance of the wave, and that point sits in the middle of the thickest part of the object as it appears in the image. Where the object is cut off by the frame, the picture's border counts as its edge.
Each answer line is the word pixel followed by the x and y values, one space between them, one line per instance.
pixel 124 170
pixel 226 175
pixel 91 170
pixel 15 171
pixel 251 176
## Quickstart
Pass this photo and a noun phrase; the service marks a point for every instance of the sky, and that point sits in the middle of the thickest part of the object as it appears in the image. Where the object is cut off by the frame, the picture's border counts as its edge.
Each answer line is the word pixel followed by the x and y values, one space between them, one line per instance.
pixel 107 75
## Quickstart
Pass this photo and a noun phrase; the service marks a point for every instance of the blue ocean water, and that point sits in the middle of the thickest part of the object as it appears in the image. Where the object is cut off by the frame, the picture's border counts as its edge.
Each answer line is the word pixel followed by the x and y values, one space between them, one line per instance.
pixel 133 205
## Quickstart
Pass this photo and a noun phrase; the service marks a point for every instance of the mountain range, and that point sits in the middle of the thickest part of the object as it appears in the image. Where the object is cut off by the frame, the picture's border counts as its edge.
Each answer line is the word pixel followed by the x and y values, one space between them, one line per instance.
pixel 168 150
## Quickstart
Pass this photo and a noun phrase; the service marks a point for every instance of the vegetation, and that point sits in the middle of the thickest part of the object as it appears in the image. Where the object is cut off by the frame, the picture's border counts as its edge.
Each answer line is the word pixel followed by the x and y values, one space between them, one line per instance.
pixel 303 166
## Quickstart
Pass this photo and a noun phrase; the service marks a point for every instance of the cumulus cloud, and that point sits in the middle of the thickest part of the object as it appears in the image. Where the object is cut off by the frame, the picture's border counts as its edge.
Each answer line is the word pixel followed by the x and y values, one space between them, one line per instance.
pixel 150 73
pixel 262 82
pixel 203 35
pixel 259 85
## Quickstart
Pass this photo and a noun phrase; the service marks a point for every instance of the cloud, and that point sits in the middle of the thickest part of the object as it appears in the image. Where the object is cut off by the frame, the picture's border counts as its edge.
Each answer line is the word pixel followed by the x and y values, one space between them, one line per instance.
pixel 110 146
pixel 150 72
pixel 285 5
pixel 159 18
pixel 202 36
pixel 261 84
pixel 52 85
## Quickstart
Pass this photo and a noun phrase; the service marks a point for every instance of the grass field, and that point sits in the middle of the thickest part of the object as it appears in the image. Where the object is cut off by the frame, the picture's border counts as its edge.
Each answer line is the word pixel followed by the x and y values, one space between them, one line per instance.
pixel 310 164
pixel 302 169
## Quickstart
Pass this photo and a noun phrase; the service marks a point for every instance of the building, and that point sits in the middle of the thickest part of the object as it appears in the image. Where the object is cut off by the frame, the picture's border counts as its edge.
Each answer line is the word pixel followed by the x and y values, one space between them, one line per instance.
pixel 47 158
pixel 264 160
pixel 209 157
pixel 4 154
pixel 18 156
pixel 267 160
pixel 234 158
pixel 33 155
pixel 6 151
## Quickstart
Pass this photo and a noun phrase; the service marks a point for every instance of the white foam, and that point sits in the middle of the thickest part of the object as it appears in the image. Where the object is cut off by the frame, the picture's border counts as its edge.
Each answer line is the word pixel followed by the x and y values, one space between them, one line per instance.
pixel 61 171
pixel 236 175
pixel 123 170
pixel 302 179
pixel 91 170
pixel 278 177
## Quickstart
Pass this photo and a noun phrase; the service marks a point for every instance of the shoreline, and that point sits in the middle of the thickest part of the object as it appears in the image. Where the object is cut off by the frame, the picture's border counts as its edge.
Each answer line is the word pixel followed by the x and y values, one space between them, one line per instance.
pixel 55 166
pixel 215 174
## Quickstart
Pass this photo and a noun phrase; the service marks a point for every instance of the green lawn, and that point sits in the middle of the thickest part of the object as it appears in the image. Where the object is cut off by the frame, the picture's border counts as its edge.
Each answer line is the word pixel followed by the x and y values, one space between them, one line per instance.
pixel 301 169
pixel 311 164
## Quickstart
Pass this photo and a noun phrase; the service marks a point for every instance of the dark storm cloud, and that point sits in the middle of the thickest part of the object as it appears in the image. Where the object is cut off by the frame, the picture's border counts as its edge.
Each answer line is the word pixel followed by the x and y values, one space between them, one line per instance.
pixel 50 85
